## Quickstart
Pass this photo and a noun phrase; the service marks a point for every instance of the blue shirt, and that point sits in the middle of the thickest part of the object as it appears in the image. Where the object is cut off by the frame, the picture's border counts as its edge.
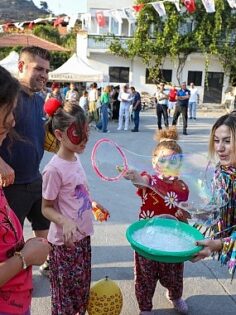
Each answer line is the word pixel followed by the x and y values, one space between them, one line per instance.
pixel 25 154
pixel 183 93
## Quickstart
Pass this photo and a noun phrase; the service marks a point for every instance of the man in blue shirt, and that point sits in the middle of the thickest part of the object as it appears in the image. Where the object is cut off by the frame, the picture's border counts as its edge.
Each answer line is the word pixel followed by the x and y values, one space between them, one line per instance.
pixel 24 156
pixel 182 106
pixel 136 108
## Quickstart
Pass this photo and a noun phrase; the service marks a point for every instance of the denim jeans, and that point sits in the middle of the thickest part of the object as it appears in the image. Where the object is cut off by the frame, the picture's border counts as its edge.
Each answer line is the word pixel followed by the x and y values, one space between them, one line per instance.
pixel 192 106
pixel 102 125
pixel 136 119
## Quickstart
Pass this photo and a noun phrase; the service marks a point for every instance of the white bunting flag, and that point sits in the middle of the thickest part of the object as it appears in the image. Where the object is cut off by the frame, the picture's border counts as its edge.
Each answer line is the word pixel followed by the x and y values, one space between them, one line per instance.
pixel 209 5
pixel 130 14
pixel 117 15
pixel 176 3
pixel 160 8
pixel 232 4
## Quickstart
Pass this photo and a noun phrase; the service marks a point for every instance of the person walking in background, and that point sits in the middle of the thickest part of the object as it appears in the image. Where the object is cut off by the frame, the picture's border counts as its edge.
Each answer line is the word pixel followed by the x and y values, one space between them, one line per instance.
pixel 25 195
pixel 55 92
pixel 83 102
pixel 67 204
pixel 136 108
pixel 64 90
pixel 193 101
pixel 166 161
pixel 115 102
pixel 16 255
pixel 172 99
pixel 105 101
pixel 182 107
pixel 125 99
pixel 162 106
pixel 93 97
pixel 72 95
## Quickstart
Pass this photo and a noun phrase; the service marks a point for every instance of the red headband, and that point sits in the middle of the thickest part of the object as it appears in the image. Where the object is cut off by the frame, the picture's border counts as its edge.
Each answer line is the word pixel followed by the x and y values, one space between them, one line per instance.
pixel 51 105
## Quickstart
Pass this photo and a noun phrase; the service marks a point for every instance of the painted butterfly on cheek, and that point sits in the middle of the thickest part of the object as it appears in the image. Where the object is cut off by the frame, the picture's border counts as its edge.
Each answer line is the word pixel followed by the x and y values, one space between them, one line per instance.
pixel 74 137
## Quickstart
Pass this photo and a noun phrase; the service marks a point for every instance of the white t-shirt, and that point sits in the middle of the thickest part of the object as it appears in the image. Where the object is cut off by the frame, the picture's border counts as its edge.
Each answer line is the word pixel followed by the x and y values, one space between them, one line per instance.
pixel 65 182
pixel 193 95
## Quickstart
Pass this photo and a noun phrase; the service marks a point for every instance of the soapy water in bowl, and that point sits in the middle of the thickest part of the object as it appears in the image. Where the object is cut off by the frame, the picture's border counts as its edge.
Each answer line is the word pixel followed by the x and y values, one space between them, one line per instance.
pixel 164 239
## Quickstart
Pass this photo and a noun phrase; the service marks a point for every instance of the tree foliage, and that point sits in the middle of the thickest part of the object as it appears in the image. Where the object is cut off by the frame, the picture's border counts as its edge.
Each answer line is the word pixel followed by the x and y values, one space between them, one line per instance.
pixel 47 32
pixel 180 34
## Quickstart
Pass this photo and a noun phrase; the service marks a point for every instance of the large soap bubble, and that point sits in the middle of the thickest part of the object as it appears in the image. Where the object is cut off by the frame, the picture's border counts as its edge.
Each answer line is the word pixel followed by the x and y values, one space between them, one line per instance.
pixel 110 162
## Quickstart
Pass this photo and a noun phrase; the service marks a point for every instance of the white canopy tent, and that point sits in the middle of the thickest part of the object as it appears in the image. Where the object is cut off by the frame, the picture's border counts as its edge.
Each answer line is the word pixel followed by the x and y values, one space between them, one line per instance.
pixel 11 63
pixel 76 70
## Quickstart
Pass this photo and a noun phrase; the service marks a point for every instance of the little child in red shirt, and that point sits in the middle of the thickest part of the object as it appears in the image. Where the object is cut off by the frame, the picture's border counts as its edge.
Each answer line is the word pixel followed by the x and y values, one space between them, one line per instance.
pixel 160 194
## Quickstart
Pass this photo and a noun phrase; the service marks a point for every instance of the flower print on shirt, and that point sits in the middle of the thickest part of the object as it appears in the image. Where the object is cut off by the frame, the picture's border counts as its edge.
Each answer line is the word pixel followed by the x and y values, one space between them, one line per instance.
pixel 171 199
pixel 147 214
pixel 85 202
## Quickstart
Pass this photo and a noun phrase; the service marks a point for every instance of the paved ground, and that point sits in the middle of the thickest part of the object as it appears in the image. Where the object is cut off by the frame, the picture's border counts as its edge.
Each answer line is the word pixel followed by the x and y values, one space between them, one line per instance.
pixel 207 287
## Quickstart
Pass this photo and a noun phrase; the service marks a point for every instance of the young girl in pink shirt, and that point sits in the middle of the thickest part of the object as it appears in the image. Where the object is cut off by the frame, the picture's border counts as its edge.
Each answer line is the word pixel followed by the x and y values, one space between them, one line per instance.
pixel 16 255
pixel 67 204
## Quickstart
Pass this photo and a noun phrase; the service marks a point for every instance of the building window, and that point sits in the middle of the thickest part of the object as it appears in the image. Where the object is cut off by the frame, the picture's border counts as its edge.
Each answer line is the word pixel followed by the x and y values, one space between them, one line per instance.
pixel 165 75
pixel 195 77
pixel 119 74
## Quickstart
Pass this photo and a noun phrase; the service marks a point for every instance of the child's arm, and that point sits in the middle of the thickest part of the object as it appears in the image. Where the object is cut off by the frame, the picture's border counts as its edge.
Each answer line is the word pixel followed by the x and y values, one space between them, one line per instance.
pixel 70 228
pixel 140 181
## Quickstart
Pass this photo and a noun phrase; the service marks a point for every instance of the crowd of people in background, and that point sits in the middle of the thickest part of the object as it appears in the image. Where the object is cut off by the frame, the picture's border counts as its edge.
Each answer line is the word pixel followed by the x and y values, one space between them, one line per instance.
pixel 124 103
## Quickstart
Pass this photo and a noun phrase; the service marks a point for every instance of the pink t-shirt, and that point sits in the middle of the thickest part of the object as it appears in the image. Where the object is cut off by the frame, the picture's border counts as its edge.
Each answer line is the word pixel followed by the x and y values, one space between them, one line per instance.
pixel 65 182
pixel 15 295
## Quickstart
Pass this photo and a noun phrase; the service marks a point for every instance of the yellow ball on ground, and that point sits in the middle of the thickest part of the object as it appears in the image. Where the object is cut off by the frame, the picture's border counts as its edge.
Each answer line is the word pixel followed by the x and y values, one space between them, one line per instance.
pixel 105 298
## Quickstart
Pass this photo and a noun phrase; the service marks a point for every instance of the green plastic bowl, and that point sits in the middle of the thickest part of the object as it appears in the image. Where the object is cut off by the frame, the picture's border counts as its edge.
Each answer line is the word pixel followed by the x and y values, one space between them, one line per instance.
pixel 164 256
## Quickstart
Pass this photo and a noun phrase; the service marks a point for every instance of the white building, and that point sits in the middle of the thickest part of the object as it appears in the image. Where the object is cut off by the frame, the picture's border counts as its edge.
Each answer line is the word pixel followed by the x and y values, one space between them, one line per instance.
pixel 133 71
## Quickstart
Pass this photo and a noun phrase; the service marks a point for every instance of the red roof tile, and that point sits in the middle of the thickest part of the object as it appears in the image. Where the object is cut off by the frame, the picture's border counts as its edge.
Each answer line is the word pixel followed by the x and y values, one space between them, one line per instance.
pixel 12 40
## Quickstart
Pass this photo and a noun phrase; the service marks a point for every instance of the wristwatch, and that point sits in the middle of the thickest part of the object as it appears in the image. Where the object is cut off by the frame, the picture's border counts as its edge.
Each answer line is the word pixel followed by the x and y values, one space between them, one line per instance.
pixel 19 254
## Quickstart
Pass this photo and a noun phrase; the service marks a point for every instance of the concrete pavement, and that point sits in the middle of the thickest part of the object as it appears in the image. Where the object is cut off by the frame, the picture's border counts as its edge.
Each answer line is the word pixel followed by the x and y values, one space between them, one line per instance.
pixel 207 287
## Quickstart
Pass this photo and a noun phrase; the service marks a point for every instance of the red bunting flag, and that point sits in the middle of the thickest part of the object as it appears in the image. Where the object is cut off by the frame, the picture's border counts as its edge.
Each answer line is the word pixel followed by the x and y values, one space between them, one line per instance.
pixel 31 25
pixel 190 5
pixel 100 18
pixel 58 21
pixel 137 8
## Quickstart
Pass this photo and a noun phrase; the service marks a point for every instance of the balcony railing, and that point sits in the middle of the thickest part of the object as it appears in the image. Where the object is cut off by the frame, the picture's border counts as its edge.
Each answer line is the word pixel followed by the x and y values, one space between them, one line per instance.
pixel 103 42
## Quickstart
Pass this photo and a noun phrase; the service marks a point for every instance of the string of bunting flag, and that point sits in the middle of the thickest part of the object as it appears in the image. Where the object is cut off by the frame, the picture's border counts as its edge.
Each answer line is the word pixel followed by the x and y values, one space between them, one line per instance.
pixel 131 13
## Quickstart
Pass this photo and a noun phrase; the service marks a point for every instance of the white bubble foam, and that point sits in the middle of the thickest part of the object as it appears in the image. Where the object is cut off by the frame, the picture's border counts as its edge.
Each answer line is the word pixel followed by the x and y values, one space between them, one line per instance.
pixel 164 239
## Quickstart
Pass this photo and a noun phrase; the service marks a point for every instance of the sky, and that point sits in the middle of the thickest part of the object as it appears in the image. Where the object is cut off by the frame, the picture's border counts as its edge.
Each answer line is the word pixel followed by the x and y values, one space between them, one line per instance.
pixel 69 7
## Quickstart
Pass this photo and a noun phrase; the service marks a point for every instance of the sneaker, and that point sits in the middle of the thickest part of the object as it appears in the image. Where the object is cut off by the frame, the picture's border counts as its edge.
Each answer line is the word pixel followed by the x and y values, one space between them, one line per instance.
pixel 185 133
pixel 44 269
pixel 134 130
pixel 179 305
pixel 119 129
pixel 126 129
pixel 108 131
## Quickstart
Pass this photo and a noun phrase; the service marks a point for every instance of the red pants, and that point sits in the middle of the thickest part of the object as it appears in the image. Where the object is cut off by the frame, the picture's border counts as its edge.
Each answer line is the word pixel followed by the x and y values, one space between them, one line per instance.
pixel 148 272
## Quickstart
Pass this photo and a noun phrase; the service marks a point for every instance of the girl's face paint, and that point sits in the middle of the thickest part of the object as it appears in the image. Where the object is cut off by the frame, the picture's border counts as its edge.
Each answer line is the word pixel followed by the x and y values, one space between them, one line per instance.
pixel 75 136
pixel 72 134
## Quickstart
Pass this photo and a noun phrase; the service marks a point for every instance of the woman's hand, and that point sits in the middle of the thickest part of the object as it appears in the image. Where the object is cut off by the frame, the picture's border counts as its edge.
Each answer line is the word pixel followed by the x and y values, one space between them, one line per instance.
pixel 7 174
pixel 210 246
pixel 36 251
